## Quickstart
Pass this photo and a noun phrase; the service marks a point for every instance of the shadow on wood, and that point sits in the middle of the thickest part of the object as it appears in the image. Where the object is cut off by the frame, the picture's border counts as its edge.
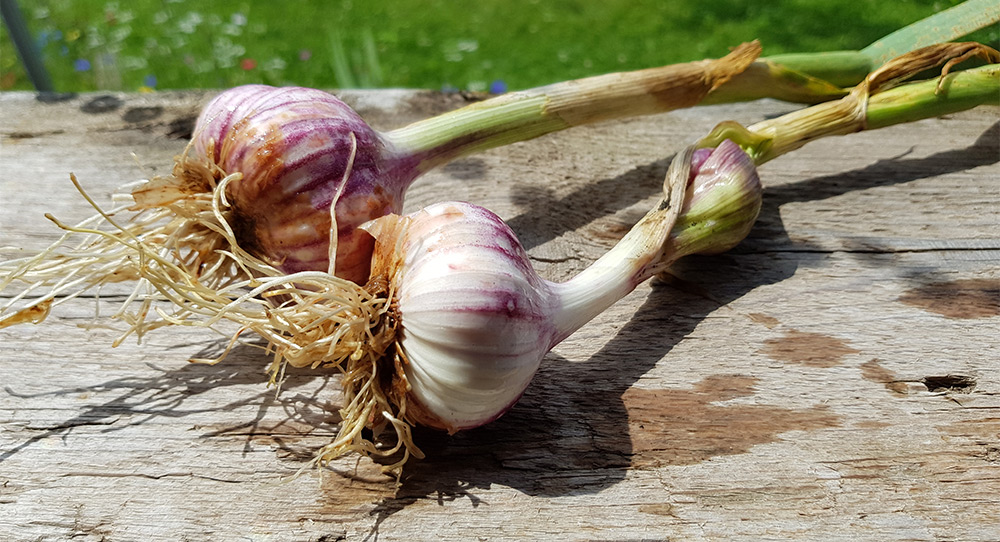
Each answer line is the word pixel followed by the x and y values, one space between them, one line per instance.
pixel 145 399
pixel 571 432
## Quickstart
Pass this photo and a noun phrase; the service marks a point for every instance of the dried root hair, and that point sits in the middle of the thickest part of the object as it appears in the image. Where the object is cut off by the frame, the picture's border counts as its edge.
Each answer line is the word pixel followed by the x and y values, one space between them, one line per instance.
pixel 178 246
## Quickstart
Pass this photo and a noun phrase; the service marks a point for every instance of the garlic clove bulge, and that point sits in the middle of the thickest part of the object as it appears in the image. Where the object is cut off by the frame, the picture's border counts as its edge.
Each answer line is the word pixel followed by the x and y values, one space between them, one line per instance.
pixel 474 318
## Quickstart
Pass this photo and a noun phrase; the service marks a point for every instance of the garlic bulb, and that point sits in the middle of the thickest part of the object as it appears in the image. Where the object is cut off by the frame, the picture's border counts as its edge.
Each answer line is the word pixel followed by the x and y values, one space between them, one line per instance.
pixel 475 319
pixel 299 151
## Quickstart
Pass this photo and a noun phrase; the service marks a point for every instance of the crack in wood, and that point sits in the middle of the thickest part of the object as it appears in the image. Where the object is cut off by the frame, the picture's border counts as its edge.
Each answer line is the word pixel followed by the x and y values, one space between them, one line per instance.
pixel 72 424
pixel 30 135
pixel 882 250
pixel 950 383
pixel 148 476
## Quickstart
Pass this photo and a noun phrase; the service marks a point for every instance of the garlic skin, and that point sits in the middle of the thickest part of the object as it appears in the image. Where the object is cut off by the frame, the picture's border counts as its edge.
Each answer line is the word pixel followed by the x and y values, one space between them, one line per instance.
pixel 474 319
pixel 299 149
pixel 722 204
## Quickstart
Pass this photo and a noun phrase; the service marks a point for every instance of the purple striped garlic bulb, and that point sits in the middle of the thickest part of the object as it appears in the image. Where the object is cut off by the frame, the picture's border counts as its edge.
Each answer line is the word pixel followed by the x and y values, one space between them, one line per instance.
pixel 475 319
pixel 301 151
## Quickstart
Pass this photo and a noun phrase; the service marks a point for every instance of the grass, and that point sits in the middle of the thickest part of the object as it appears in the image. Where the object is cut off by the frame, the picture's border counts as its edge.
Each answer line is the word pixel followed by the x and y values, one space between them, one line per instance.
pixel 491 45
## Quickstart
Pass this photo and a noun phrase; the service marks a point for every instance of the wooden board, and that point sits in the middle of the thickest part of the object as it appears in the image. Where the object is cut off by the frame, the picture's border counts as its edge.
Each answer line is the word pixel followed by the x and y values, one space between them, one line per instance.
pixel 836 377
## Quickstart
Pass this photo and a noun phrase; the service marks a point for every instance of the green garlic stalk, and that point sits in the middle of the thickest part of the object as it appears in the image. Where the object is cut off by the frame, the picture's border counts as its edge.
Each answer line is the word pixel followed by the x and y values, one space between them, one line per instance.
pixel 877 102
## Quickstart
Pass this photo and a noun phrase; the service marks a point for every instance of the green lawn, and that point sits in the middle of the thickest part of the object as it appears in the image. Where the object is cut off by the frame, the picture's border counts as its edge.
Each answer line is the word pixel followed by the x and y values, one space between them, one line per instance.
pixel 438 44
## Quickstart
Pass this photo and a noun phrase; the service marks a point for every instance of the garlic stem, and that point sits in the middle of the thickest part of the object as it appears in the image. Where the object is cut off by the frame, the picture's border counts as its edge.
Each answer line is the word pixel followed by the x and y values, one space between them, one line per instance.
pixel 877 102
pixel 636 257
pixel 518 116
pixel 493 123
pixel 848 68
pixel 956 92
pixel 716 212
pixel 859 111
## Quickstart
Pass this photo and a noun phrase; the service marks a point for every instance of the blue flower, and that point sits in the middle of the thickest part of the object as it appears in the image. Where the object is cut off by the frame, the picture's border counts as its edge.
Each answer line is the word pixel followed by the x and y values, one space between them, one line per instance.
pixel 81 65
pixel 149 81
pixel 498 87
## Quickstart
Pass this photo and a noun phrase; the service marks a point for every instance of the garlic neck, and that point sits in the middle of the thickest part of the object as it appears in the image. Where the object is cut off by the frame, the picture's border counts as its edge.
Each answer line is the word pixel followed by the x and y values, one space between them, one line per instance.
pixel 641 254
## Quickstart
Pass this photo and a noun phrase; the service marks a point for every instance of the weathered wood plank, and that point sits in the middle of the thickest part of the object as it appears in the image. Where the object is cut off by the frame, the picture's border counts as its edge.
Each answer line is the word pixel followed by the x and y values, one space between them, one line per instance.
pixel 835 377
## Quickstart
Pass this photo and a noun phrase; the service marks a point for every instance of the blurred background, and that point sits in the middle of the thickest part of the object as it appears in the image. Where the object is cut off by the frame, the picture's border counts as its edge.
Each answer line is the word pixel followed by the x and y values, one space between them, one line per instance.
pixel 481 45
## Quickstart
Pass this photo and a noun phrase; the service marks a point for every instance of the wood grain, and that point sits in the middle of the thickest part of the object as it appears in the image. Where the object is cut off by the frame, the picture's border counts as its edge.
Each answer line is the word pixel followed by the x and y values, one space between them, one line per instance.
pixel 835 377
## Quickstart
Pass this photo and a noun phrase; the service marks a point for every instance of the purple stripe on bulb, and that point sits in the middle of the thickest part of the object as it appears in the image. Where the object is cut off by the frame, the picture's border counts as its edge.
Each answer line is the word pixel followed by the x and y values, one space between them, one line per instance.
pixel 292 146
